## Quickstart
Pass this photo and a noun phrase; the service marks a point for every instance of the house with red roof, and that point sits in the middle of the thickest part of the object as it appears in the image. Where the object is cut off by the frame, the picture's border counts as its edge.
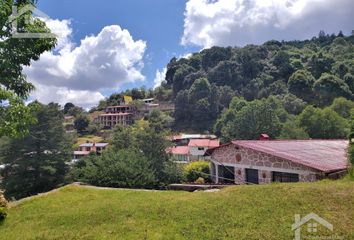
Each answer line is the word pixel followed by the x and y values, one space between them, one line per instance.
pixel 198 147
pixel 266 161
pixel 193 150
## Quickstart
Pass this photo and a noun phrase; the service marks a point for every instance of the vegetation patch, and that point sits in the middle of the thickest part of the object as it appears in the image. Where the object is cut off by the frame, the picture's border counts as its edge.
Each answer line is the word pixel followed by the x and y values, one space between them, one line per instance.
pixel 240 212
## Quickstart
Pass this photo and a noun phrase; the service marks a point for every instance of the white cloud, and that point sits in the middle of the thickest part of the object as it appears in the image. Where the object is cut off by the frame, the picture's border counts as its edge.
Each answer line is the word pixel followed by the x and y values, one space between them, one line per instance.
pixel 239 22
pixel 160 77
pixel 62 95
pixel 79 73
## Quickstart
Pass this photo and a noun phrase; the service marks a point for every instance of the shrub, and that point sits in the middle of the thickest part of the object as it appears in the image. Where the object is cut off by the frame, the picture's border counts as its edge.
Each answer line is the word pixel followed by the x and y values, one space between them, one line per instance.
pixel 200 180
pixel 3 214
pixel 195 170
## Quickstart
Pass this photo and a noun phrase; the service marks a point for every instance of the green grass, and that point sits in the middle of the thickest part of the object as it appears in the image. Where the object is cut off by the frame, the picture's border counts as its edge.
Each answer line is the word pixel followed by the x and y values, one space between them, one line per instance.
pixel 240 212
pixel 88 138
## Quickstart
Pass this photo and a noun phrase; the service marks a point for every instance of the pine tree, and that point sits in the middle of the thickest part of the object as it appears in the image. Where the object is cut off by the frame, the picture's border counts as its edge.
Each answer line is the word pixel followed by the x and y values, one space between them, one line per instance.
pixel 36 163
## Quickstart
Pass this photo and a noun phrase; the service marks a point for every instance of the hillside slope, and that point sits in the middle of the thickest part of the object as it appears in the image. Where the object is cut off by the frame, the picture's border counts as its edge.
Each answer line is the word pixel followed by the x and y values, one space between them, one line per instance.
pixel 240 212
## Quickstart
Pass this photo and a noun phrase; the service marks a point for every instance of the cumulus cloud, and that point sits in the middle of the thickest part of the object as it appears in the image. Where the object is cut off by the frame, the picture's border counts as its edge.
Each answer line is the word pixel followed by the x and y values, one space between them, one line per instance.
pixel 159 77
pixel 239 22
pixel 79 73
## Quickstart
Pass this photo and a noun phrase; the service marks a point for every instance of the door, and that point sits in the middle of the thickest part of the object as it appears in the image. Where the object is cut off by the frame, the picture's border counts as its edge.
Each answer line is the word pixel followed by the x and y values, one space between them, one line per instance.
pixel 252 176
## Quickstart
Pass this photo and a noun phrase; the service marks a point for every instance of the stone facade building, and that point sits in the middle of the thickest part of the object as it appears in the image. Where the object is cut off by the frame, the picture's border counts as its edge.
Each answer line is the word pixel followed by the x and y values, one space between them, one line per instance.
pixel 262 162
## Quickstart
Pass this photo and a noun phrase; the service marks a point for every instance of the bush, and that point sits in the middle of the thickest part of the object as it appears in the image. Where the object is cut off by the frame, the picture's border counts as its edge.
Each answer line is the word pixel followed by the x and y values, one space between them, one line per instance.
pixel 3 214
pixel 195 170
pixel 200 180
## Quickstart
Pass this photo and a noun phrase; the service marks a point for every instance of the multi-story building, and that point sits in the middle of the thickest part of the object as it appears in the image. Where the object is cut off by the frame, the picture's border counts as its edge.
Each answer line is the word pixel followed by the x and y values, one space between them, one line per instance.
pixel 114 115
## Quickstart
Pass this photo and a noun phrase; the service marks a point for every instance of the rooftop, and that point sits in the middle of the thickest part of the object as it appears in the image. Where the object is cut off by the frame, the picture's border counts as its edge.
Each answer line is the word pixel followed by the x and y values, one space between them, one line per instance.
pixel 181 150
pixel 194 136
pixel 204 143
pixel 91 144
pixel 323 155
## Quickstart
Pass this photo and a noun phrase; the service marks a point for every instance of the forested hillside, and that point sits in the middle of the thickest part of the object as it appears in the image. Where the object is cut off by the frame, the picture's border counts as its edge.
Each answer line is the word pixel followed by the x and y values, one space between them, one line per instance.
pixel 298 73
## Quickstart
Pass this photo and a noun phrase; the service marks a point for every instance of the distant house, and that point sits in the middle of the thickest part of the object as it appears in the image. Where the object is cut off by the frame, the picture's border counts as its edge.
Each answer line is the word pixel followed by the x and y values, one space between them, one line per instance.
pixel 122 114
pixel 198 147
pixel 86 148
pixel 180 153
pixel 261 162
pixel 183 139
pixel 192 147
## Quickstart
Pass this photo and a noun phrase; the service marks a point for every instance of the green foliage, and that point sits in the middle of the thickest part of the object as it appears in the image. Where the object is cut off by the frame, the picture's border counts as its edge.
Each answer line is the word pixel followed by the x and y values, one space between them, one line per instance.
pixel 311 72
pixel 146 147
pixel 323 123
pixel 300 84
pixel 124 168
pixel 328 87
pixel 343 107
pixel 195 170
pixel 15 117
pixel 36 162
pixel 247 120
pixel 81 123
pixel 3 214
pixel 15 54
pixel 67 107
pixel 159 121
pixel 292 130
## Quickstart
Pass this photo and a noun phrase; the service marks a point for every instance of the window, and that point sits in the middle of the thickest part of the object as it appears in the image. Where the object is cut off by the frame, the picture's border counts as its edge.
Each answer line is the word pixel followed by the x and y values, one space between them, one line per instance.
pixel 285 177
pixel 200 148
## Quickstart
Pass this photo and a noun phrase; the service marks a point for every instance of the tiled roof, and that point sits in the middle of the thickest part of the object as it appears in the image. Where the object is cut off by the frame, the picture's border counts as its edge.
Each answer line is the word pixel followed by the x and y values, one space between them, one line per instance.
pixel 323 155
pixel 203 143
pixel 181 150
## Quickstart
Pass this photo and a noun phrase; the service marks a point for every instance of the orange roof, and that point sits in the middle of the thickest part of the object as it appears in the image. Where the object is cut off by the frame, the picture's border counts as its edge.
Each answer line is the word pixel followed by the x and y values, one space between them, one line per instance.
pixel 204 143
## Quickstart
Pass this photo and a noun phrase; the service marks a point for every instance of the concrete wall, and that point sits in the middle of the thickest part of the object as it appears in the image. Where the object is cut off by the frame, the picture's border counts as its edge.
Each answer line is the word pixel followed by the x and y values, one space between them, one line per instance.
pixel 243 158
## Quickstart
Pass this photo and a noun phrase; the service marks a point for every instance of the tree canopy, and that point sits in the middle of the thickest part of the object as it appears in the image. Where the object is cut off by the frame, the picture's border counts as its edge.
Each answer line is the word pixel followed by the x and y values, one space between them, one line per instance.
pixel 15 53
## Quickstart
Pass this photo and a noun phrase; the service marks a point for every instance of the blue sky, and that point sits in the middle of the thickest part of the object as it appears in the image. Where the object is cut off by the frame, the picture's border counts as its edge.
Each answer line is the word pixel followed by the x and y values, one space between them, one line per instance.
pixel 158 22
pixel 107 46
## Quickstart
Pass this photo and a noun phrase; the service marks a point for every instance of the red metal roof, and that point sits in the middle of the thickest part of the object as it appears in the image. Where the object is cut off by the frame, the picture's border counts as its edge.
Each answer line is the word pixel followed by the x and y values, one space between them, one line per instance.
pixel 181 150
pixel 323 155
pixel 204 143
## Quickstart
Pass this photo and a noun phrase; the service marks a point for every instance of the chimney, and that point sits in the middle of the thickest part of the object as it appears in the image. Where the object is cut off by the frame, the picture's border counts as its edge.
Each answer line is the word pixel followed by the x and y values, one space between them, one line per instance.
pixel 264 137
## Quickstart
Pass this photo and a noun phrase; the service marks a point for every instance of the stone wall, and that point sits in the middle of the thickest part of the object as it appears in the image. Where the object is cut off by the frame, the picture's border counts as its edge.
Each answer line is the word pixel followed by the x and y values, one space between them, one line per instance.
pixel 265 163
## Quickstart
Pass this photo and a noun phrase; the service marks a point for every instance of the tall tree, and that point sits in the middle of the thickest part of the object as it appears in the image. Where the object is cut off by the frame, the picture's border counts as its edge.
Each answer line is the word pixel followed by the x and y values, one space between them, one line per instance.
pixel 15 54
pixel 248 121
pixel 323 123
pixel 36 163
pixel 81 123
pixel 300 84
pixel 328 87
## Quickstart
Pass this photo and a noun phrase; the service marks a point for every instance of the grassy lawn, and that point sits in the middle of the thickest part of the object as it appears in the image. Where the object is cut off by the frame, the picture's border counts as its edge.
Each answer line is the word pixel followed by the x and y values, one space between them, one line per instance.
pixel 90 138
pixel 240 212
